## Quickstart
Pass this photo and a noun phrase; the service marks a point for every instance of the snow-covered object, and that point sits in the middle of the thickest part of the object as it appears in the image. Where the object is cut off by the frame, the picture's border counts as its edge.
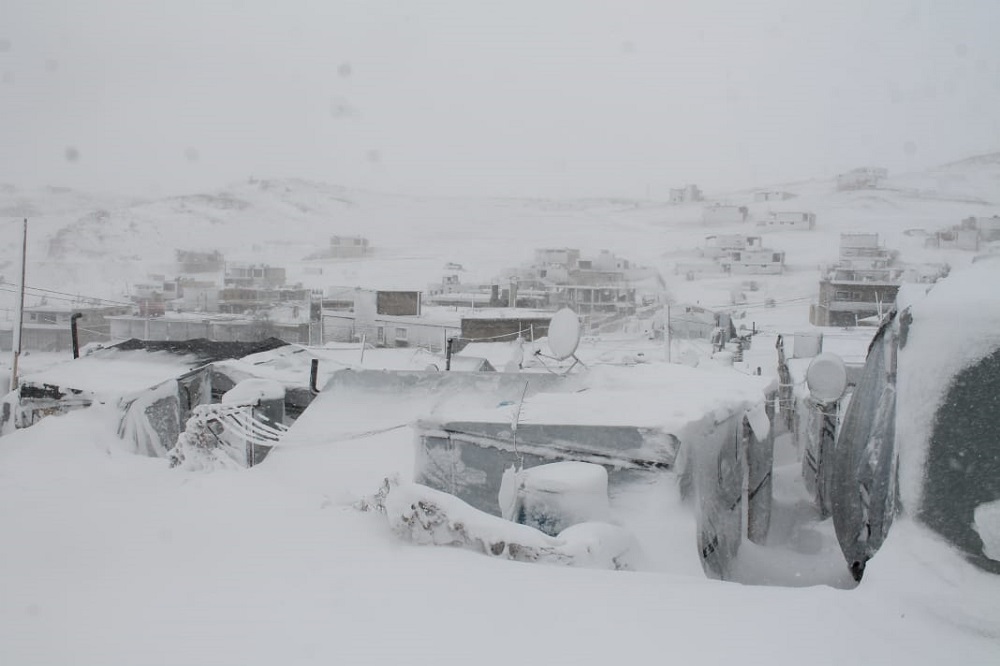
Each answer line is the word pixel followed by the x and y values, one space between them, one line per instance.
pixel 826 377
pixel 927 404
pixel 564 333
pixel 207 445
pixel 431 517
pixel 955 326
pixel 555 496
pixel 150 421
pixel 253 392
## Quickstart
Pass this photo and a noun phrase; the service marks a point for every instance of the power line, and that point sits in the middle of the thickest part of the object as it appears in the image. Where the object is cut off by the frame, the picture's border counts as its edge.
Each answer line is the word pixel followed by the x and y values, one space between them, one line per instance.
pixel 65 297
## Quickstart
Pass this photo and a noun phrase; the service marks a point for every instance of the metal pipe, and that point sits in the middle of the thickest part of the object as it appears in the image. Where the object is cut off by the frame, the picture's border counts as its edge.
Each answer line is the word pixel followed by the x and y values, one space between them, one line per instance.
pixel 75 334
pixel 313 375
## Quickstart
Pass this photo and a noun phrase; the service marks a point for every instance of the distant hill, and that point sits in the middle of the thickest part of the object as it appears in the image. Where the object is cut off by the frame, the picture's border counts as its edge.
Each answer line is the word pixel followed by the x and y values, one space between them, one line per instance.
pixel 96 245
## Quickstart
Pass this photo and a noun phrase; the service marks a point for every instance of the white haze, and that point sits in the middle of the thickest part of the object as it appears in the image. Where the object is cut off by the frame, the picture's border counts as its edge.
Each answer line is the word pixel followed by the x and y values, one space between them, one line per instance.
pixel 522 97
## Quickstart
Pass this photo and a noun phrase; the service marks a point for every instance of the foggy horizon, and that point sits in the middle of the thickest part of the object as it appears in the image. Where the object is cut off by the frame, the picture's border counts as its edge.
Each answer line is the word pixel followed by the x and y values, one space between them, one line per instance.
pixel 561 99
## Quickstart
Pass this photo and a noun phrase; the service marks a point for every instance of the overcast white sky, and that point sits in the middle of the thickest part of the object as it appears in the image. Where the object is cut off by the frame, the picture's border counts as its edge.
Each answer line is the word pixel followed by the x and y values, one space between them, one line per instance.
pixel 528 97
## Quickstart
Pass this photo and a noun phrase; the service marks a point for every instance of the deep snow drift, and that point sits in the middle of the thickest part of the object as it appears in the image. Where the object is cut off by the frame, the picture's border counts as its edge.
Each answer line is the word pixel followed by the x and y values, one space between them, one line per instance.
pixel 111 558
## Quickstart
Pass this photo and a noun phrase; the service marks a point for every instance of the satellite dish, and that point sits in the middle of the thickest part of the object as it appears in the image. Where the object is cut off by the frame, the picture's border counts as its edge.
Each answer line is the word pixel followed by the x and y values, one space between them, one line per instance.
pixel 826 377
pixel 564 334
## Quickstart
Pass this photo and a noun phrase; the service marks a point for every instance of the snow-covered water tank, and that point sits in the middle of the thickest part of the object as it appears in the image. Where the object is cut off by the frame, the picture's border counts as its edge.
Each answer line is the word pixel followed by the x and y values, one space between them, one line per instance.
pixel 807 344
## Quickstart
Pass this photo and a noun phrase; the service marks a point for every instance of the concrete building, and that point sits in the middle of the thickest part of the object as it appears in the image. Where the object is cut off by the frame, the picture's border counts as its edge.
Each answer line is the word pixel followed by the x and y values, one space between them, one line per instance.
pixel 756 261
pixel 349 247
pixel 988 227
pixel 391 318
pixel 686 194
pixel 561 277
pixel 256 276
pixel 719 214
pixel 47 327
pixel 862 284
pixel 742 254
pixel 864 178
pixel 845 302
pixel 954 239
pixel 217 328
pixel 789 220
pixel 197 261
pixel 772 195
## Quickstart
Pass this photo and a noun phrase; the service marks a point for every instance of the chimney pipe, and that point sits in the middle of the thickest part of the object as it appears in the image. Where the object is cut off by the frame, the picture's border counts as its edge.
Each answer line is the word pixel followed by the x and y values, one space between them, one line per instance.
pixel 313 375
pixel 73 332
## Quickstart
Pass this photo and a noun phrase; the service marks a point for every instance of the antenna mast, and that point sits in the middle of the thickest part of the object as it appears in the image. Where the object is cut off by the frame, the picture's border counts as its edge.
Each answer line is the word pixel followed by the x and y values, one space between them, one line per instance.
pixel 16 340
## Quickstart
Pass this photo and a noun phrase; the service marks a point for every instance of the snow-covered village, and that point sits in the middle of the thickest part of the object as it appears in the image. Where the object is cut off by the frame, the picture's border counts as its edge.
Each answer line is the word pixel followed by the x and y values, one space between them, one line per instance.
pixel 362 412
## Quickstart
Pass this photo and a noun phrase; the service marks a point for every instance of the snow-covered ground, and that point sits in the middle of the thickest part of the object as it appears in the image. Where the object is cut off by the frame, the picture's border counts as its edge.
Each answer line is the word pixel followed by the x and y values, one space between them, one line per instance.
pixel 112 558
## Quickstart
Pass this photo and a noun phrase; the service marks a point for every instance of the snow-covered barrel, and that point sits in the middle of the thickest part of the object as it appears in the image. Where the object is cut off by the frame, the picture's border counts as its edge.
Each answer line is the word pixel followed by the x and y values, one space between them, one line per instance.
pixel 555 496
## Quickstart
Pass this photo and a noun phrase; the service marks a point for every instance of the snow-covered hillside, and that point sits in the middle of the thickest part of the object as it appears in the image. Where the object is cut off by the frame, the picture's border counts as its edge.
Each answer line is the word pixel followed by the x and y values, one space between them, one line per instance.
pixel 97 245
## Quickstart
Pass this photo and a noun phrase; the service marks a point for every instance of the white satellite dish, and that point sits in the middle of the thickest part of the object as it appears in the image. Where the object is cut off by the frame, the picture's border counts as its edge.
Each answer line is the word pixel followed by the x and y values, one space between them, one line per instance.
pixel 826 377
pixel 564 334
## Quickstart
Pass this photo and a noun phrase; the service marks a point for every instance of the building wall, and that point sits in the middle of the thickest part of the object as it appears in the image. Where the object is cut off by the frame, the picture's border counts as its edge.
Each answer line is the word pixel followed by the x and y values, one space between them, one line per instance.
pixel 789 221
pixel 504 328
pixel 397 303
pixel 843 303
pixel 387 331
pixel 349 247
pixel 162 328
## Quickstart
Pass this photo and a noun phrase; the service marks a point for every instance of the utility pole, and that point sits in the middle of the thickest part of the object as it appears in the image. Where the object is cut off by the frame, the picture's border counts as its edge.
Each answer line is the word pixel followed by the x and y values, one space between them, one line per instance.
pixel 16 341
pixel 666 332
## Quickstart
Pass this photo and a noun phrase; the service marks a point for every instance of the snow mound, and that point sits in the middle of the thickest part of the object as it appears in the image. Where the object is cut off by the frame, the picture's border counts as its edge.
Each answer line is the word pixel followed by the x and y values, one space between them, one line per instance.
pixel 426 516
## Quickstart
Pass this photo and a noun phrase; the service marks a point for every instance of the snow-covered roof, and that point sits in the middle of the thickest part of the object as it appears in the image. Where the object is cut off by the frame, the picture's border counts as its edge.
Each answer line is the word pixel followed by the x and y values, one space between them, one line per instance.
pixel 115 372
pixel 660 395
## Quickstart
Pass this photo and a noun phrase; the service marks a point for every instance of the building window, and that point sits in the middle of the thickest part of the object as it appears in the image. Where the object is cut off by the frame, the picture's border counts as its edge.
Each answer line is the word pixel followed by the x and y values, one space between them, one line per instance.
pixel 380 335
pixel 400 333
